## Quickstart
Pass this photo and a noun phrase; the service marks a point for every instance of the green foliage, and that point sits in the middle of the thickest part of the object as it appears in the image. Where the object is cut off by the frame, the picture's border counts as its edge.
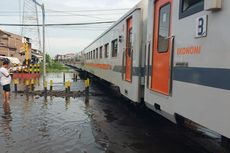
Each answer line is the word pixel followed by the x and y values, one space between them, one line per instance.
pixel 54 66
pixel 48 59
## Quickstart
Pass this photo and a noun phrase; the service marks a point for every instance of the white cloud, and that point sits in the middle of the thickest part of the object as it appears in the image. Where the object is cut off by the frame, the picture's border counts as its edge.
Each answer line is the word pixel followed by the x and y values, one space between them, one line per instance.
pixel 90 4
pixel 65 45
pixel 69 39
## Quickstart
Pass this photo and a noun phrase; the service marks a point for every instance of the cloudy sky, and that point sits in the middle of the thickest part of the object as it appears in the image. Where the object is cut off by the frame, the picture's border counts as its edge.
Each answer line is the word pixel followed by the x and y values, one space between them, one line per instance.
pixel 73 38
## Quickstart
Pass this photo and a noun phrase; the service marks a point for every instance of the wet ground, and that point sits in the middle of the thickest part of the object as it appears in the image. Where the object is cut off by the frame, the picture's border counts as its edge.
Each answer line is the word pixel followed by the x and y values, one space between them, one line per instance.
pixel 102 124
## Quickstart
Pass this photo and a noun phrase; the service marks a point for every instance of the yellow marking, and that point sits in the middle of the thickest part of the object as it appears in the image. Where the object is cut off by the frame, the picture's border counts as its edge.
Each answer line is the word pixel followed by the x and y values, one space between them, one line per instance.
pixel 45 84
pixel 16 81
pixel 27 82
pixel 66 85
pixel 51 83
pixel 32 81
pixel 87 83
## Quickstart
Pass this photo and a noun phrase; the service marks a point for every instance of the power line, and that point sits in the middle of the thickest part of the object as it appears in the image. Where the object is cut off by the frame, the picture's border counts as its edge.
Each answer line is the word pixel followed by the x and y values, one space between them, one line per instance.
pixel 57 11
pixel 13 15
pixel 49 25
pixel 101 10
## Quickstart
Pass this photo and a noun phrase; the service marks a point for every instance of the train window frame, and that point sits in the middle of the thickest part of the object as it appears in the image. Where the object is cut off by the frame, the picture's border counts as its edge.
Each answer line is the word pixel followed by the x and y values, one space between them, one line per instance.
pixel 129 35
pixel 97 53
pixel 159 46
pixel 114 49
pixel 106 50
pixel 94 54
pixel 198 7
pixel 101 52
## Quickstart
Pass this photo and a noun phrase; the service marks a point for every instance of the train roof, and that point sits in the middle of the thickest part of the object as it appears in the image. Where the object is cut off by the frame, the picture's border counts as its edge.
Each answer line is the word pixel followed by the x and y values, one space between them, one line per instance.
pixel 135 8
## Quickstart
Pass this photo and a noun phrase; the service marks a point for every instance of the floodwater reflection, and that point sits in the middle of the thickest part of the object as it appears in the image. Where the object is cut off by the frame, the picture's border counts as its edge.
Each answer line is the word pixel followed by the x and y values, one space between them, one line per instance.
pixel 47 125
pixel 100 124
pixel 6 109
pixel 6 122
pixel 67 103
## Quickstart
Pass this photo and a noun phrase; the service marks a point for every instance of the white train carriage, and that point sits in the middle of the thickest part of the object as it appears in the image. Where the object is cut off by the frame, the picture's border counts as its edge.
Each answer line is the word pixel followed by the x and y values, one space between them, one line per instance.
pixel 187 61
pixel 116 55
pixel 174 54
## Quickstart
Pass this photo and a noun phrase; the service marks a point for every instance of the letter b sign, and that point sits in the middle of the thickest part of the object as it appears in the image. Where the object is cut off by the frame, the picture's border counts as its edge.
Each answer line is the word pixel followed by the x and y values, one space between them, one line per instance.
pixel 201 26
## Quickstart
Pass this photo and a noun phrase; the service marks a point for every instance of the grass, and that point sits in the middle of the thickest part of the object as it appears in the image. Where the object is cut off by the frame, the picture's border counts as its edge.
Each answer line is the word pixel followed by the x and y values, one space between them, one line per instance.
pixel 56 67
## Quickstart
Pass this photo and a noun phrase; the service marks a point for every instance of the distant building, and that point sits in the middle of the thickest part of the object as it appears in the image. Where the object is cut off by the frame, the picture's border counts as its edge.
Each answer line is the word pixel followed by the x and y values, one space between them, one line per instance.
pixel 59 57
pixel 36 56
pixel 65 57
pixel 11 45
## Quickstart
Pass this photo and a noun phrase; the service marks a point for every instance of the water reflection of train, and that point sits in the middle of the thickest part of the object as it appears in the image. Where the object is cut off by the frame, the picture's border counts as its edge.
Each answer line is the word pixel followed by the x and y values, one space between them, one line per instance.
pixel 173 55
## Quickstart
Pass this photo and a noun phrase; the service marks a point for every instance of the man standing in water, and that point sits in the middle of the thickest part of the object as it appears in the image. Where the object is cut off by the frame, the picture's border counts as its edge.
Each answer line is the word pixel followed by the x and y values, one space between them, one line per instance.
pixel 5 80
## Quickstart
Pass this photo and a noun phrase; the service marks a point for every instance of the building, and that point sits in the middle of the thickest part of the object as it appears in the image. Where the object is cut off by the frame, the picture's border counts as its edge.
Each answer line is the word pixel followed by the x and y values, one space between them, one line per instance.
pixel 65 57
pixel 59 57
pixel 36 56
pixel 11 45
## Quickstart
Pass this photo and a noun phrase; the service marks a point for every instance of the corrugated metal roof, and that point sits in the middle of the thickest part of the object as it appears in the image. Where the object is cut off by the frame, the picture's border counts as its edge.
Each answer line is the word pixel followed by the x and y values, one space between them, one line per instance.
pixel 13 60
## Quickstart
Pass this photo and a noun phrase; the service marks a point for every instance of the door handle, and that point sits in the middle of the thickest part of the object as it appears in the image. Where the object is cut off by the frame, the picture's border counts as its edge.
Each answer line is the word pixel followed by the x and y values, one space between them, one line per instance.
pixel 170 37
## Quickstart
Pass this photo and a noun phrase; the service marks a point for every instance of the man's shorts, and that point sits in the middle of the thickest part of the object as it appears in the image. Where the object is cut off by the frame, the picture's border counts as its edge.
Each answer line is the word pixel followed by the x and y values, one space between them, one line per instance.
pixel 6 88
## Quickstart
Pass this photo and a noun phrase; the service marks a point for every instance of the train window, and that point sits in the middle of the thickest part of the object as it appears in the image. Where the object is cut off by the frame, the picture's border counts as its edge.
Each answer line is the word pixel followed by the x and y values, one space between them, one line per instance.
pixel 189 7
pixel 101 51
pixel 93 54
pixel 114 48
pixel 97 53
pixel 129 36
pixel 106 50
pixel 164 28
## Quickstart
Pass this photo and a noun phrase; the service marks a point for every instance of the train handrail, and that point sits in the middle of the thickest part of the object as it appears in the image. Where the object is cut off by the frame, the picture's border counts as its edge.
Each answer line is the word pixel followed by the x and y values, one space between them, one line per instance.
pixel 148 63
pixel 123 63
pixel 172 38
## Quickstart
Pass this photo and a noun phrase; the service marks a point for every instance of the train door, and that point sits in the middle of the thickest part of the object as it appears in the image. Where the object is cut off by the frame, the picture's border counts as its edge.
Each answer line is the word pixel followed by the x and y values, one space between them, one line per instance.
pixel 129 50
pixel 161 65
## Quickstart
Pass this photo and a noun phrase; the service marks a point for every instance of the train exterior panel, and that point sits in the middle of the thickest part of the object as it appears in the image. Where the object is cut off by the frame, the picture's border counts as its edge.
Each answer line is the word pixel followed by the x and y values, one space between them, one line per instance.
pixel 175 55
pixel 116 56
pixel 198 86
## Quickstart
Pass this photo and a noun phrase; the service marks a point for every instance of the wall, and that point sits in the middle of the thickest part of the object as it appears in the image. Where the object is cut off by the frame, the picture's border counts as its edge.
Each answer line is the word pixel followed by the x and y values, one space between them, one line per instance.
pixel 10 45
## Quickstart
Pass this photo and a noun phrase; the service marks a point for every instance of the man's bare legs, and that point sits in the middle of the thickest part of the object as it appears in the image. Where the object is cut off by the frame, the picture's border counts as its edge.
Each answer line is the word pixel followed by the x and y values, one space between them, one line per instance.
pixel 6 102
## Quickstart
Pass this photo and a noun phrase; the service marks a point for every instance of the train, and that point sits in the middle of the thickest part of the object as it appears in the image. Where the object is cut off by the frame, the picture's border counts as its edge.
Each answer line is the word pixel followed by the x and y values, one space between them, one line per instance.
pixel 173 55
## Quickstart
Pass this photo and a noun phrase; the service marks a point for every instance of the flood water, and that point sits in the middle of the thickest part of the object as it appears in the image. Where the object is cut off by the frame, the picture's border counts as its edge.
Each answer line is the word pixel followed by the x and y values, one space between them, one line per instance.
pixel 104 124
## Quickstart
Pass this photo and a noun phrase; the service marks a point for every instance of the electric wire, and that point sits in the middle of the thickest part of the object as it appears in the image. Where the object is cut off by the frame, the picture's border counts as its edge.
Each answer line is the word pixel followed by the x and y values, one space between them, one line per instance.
pixel 56 11
pixel 53 24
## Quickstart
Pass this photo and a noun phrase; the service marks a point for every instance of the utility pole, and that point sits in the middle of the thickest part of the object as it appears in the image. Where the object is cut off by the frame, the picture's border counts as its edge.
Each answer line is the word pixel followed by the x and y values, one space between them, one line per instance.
pixel 44 53
pixel 43 29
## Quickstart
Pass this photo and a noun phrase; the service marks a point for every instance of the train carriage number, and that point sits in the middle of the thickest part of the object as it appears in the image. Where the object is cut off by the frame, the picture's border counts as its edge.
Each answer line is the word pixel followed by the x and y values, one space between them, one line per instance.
pixel 201 27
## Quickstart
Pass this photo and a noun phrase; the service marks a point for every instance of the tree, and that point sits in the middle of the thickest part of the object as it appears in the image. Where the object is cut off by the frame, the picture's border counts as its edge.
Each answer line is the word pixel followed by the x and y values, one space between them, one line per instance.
pixel 48 59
